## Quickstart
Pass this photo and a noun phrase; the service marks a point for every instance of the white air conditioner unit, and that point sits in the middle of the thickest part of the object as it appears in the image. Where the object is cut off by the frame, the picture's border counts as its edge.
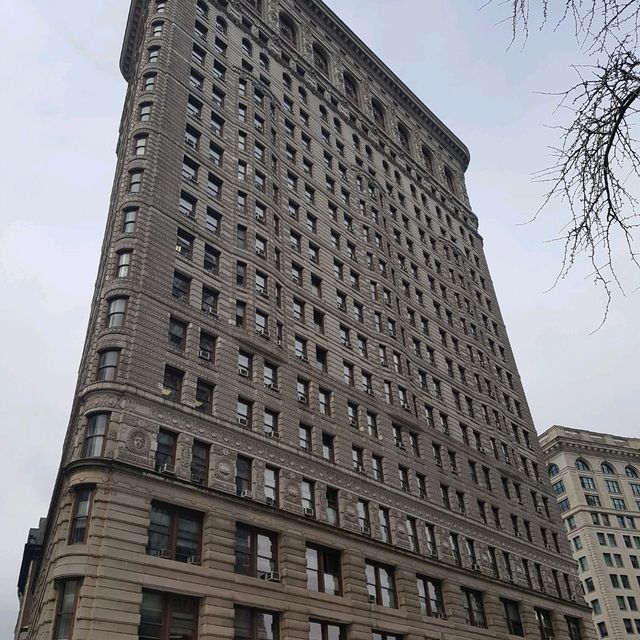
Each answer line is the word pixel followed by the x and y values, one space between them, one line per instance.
pixel 191 143
pixel 274 435
pixel 353 422
pixel 263 292
pixel 260 252
pixel 167 554
pixel 205 354
pixel 167 468
pixel 209 311
pixel 242 421
pixel 308 511
pixel 476 567
pixel 271 386
pixel 302 356
pixel 243 371
pixel 342 307
pixel 455 471
pixel 369 392
pixel 197 478
pixel 347 344
pixel 270 501
pixel 194 560
pixel 433 553
pixel 246 493
pixel 400 445
pixel 548 547
pixel 439 615
pixel 360 469
pixel 271 576
pixel 365 530
pixel 302 398
pixel 372 599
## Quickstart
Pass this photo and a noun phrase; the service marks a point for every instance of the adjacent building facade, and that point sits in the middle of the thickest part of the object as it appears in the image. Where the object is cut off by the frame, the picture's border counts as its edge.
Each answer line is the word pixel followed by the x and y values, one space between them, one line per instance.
pixel 298 414
pixel 596 478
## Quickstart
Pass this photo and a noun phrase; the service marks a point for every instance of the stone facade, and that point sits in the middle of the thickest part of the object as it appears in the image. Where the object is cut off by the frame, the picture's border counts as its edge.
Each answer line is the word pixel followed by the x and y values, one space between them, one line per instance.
pixel 596 478
pixel 294 328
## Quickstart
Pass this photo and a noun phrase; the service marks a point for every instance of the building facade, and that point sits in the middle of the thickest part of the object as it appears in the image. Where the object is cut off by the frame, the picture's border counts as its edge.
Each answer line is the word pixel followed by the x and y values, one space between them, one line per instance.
pixel 596 479
pixel 298 414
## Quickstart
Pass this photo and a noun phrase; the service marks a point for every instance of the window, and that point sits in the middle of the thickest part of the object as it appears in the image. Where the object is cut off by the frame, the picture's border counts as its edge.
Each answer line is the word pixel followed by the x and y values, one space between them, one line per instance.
pixel 108 365
pixel 129 221
pixel 512 616
pixel 251 624
pixel 166 451
pixel 350 88
pixel 474 607
pixel 320 630
pixel 140 145
pixel 204 396
pixel 145 111
pixel 256 551
pixel 200 462
pixel 543 620
pixel 174 533
pixel 124 264
pixel 288 31
pixel 320 60
pixel 307 498
pixel 323 570
pixel 271 485
pixel 165 616
pixel 81 513
pixel 116 312
pixel 172 383
pixel 380 584
pixel 68 591
pixel 333 507
pixel 582 465
pixel 243 476
pixel 430 597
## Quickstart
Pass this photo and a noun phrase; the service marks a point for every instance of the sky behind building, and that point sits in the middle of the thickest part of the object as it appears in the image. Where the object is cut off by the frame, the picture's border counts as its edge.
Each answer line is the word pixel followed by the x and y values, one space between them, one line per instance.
pixel 60 116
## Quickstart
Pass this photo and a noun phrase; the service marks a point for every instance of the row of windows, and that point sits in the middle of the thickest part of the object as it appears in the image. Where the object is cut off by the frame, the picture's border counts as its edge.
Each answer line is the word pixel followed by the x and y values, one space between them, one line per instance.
pixel 605 467
pixel 165 616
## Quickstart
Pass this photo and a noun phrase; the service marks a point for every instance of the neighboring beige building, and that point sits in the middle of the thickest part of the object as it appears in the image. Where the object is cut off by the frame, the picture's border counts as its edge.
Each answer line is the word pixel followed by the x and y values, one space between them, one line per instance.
pixel 297 414
pixel 596 478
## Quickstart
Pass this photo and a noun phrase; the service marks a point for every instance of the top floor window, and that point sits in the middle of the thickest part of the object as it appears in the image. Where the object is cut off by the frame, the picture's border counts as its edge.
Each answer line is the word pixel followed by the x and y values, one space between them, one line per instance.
pixel 351 88
pixel 288 31
pixel 320 60
pixel 378 114
pixel 403 136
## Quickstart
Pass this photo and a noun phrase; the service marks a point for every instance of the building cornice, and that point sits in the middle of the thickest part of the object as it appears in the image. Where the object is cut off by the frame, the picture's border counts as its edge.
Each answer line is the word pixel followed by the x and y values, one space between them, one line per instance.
pixel 390 80
pixel 131 36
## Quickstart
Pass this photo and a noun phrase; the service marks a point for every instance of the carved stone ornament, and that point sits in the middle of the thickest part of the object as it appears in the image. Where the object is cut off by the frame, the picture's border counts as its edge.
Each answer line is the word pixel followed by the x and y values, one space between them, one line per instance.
pixel 292 490
pixel 138 442
pixel 224 470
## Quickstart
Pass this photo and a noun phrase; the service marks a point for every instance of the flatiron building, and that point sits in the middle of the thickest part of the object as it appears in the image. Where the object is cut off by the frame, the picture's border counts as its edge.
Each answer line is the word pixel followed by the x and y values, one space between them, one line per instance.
pixel 297 415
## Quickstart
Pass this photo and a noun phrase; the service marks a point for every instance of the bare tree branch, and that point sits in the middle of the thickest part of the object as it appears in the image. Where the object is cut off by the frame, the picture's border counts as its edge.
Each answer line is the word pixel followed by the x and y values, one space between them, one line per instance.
pixel 597 163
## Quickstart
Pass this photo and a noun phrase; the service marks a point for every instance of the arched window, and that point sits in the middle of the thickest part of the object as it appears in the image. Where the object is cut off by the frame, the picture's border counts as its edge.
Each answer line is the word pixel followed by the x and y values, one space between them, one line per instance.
pixel 631 472
pixel 403 136
pixel 427 155
pixel 553 470
pixel 351 88
pixel 320 60
pixel 581 465
pixel 451 184
pixel 378 114
pixel 287 30
pixel 607 469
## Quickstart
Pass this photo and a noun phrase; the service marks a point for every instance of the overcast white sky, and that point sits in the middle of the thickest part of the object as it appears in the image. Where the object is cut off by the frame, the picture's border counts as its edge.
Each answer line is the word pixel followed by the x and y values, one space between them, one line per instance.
pixel 62 97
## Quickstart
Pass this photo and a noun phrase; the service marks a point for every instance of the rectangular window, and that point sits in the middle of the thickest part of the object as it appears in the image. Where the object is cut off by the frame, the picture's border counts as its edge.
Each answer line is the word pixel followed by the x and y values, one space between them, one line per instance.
pixel 174 533
pixel 68 591
pixel 256 552
pixel 97 424
pixel 164 616
pixel 474 607
pixel 380 584
pixel 81 514
pixel 323 570
pixel 252 624
pixel 430 597
pixel 243 476
pixel 512 616
pixel 200 462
